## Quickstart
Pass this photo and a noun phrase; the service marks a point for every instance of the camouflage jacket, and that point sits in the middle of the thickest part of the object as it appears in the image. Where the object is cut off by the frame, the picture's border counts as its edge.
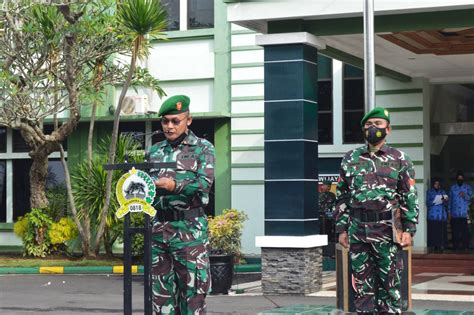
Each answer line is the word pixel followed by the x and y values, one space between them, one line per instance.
pixel 327 201
pixel 194 174
pixel 379 182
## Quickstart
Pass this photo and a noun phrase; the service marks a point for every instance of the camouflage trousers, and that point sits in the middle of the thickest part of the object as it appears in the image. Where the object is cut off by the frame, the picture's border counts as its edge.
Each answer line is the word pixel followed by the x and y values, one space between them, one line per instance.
pixel 376 268
pixel 180 266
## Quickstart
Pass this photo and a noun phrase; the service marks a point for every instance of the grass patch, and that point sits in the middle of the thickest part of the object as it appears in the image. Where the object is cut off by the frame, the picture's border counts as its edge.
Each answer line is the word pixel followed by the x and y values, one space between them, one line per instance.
pixel 19 261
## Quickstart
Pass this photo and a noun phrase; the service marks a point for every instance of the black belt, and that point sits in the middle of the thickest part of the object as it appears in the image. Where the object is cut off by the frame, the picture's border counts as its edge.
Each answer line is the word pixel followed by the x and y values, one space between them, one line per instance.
pixel 371 216
pixel 178 215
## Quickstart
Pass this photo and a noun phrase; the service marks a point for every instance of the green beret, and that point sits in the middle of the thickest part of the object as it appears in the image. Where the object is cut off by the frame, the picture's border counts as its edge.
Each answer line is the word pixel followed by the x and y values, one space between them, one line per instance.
pixel 377 112
pixel 176 104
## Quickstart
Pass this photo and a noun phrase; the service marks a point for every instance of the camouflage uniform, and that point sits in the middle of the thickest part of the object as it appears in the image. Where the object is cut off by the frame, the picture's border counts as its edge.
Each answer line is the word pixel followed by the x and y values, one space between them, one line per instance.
pixel 376 183
pixel 180 263
pixel 327 201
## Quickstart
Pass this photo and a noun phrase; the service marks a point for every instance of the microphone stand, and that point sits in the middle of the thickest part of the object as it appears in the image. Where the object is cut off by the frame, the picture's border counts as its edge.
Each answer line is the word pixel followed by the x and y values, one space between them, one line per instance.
pixel 146 231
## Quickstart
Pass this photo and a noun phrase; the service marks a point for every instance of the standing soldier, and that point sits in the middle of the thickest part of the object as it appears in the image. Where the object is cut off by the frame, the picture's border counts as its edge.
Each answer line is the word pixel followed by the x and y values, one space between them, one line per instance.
pixel 376 180
pixel 327 201
pixel 180 259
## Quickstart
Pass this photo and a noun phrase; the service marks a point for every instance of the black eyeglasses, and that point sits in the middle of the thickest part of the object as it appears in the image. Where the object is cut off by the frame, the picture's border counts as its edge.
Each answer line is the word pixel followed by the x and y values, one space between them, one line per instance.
pixel 174 121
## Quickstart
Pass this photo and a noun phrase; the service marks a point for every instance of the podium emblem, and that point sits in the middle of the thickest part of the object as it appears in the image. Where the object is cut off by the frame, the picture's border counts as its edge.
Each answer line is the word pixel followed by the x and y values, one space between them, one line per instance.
pixel 135 193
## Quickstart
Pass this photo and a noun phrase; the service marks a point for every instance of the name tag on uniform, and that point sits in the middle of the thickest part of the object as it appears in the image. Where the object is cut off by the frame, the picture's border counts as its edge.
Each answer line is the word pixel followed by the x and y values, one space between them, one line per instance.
pixel 390 164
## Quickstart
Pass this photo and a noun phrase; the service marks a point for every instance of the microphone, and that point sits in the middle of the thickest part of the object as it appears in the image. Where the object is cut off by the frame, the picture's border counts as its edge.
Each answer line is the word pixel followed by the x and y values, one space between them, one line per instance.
pixel 156 132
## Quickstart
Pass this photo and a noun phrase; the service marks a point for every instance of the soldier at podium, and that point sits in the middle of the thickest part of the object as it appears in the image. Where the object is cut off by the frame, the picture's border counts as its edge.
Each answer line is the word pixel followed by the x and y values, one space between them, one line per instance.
pixel 376 214
pixel 180 259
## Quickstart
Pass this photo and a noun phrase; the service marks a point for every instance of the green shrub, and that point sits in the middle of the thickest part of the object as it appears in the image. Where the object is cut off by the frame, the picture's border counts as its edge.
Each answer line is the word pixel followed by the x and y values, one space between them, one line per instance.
pixel 33 230
pixel 62 231
pixel 21 226
pixel 41 235
pixel 225 232
pixel 57 198
pixel 89 186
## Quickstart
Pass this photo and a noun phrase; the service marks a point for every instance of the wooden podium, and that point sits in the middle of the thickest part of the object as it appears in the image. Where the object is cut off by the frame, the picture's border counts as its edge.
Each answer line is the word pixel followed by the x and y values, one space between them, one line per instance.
pixel 345 292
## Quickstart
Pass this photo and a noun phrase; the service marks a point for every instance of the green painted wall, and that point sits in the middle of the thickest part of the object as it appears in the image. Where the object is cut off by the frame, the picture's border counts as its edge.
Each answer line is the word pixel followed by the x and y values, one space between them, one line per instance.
pixel 222 86
pixel 222 50
pixel 223 165
pixel 77 141
pixel 77 146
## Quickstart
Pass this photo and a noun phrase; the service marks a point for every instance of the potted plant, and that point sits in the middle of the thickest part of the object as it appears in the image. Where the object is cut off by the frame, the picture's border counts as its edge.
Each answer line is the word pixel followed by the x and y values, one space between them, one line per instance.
pixel 225 231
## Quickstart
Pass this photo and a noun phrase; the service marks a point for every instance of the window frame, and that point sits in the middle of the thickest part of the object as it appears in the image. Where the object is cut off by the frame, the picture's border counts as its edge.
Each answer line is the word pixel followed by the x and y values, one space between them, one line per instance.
pixel 344 110
pixel 188 15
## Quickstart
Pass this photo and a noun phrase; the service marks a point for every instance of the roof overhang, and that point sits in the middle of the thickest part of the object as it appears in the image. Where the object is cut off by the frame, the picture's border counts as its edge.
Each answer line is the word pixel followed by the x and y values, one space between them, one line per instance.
pixel 340 25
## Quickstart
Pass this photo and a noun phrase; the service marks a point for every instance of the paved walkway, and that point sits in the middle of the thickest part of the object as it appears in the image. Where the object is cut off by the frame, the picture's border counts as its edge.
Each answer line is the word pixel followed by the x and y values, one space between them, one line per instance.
pixel 64 294
pixel 426 286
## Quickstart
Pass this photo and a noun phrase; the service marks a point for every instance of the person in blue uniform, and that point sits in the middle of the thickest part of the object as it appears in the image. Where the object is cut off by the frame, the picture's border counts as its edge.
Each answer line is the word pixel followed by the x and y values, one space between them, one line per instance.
pixel 460 196
pixel 437 204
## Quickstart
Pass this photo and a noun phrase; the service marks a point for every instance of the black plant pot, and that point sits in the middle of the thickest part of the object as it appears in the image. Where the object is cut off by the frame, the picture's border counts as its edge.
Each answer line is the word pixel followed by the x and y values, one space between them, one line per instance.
pixel 222 273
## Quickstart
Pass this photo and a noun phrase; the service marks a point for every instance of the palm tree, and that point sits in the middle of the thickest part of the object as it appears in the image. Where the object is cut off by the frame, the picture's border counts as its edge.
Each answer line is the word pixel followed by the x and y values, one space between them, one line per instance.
pixel 141 20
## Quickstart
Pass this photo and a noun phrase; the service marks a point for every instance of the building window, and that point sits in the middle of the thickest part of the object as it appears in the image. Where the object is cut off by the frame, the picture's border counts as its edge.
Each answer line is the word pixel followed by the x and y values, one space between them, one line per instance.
pixel 3 191
pixel 353 104
pixel 19 144
pixel 21 188
pixel 325 104
pixel 172 8
pixel 21 183
pixel 200 14
pixel 56 176
pixel 3 139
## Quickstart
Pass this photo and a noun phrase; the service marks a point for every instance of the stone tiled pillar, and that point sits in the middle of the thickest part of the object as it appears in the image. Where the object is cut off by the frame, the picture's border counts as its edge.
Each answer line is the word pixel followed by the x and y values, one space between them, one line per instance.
pixel 291 247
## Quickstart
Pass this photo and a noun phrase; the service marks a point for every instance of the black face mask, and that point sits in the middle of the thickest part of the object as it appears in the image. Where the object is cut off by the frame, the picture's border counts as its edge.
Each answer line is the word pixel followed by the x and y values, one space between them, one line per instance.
pixel 374 135
pixel 178 140
pixel 460 182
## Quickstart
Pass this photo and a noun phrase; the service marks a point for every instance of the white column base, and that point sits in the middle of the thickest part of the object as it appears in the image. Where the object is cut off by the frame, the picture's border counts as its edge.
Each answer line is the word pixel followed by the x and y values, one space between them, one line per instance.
pixel 308 241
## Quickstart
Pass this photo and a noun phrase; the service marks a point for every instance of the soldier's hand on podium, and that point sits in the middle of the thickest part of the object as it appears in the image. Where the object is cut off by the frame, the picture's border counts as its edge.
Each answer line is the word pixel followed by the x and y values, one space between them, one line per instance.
pixel 166 183
pixel 344 239
pixel 406 239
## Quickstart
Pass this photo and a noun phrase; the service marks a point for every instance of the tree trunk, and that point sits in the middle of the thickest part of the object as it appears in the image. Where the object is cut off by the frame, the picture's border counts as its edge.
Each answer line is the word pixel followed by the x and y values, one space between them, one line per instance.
pixel 108 243
pixel 97 88
pixel 84 228
pixel 38 174
pixel 112 148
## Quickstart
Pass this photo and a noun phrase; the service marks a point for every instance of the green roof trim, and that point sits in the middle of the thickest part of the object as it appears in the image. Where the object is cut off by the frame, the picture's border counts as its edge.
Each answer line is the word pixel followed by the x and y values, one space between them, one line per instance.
pixel 204 33
pixel 247 98
pixel 407 127
pixel 247 115
pixel 246 48
pixel 382 23
pixel 247 65
pixel 248 165
pixel 248 182
pixel 402 91
pixel 257 81
pixel 247 132
pixel 405 109
pixel 406 145
pixel 255 148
